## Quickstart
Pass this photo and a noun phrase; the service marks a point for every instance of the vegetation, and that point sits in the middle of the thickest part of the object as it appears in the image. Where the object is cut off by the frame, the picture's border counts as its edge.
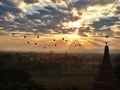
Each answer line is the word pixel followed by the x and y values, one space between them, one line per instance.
pixel 116 60
pixel 33 71
pixel 17 79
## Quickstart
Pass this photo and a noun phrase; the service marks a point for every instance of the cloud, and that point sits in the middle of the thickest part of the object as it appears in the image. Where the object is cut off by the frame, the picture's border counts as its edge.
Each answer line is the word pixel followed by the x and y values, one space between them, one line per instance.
pixel 118 10
pixel 45 15
pixel 8 6
pixel 30 1
pixel 8 3
pixel 54 18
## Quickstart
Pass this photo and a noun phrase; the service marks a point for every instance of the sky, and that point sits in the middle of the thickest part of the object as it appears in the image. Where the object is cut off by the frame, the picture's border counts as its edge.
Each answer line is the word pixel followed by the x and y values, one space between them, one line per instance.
pixel 62 25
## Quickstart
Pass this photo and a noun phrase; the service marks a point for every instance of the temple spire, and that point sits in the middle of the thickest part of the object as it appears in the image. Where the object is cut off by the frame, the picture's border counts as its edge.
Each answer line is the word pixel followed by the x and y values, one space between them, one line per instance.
pixel 106 79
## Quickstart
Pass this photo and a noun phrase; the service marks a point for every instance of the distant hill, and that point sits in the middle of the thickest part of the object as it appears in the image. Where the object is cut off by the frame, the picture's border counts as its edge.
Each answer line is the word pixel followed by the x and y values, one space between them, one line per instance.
pixel 113 51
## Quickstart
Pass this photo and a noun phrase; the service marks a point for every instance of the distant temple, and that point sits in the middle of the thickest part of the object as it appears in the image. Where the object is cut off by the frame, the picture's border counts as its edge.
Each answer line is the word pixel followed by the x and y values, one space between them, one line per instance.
pixel 106 79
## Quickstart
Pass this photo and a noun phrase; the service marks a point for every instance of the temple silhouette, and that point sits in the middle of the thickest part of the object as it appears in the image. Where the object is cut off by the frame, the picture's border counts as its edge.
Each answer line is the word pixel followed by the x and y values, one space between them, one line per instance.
pixel 106 79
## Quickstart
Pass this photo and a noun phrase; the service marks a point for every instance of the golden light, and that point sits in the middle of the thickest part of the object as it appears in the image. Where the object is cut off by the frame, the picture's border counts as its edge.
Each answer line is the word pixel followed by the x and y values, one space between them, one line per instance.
pixel 73 36
pixel 70 24
pixel 70 37
pixel 75 12
pixel 22 6
pixel 91 14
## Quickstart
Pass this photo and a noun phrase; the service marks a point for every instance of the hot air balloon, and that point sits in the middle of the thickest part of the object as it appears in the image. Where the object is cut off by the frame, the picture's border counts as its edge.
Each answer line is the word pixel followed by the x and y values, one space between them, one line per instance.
pixel 79 45
pixel 55 45
pixel 44 47
pixel 35 43
pixel 53 39
pixel 106 43
pixel 106 36
pixel 28 42
pixel 25 36
pixel 13 34
pixel 37 36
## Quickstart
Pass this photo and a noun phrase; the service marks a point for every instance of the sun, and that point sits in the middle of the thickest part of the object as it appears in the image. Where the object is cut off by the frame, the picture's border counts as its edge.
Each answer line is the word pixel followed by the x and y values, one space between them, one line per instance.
pixel 74 35
pixel 71 24
pixel 70 37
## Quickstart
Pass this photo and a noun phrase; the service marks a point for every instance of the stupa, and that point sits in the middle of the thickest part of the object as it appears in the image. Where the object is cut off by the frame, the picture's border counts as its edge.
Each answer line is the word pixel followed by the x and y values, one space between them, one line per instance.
pixel 106 78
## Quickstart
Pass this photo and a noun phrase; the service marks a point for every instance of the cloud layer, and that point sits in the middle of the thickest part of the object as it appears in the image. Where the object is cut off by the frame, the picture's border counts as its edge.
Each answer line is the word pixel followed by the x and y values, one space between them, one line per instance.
pixel 94 18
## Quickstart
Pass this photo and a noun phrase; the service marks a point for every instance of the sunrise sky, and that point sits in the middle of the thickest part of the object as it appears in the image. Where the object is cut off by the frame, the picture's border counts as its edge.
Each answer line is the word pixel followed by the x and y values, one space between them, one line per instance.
pixel 62 25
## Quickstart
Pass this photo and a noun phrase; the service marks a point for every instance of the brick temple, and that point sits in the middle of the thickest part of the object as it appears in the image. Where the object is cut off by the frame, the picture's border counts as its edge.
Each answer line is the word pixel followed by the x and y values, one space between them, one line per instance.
pixel 106 79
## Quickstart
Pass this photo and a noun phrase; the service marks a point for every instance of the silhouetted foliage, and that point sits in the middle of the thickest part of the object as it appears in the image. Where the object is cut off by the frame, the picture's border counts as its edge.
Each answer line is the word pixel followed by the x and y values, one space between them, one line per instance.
pixel 13 67
pixel 117 71
pixel 17 79
pixel 117 59
pixel 14 75
pixel 72 88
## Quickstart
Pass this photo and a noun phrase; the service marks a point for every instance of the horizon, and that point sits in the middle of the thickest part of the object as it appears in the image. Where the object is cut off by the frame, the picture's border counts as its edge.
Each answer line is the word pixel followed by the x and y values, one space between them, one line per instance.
pixel 91 51
pixel 61 25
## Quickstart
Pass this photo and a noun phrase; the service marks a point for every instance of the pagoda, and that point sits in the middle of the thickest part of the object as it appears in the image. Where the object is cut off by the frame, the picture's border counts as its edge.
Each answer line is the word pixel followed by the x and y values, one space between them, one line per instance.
pixel 106 78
